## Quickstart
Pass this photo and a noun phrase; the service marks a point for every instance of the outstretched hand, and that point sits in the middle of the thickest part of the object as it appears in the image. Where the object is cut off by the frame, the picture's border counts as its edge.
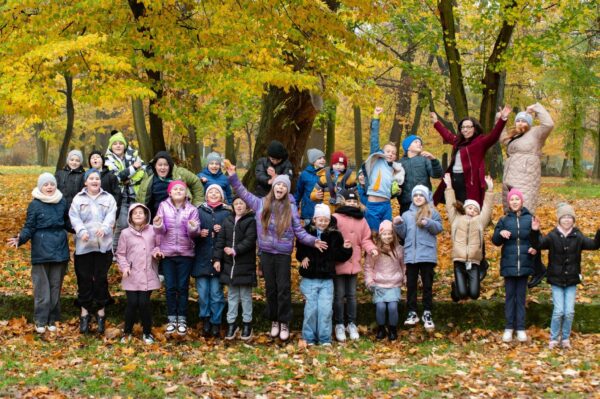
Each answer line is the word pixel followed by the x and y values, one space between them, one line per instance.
pixel 448 180
pixel 504 112
pixel 535 223
pixel 378 111
pixel 320 245
pixel 13 241
pixel 229 167
pixel 490 182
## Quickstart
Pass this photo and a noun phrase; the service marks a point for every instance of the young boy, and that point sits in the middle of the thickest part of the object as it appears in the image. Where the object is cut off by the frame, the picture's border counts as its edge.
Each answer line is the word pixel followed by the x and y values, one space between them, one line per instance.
pixel 268 168
pixel 333 180
pixel 318 270
pixel 212 174
pixel 307 180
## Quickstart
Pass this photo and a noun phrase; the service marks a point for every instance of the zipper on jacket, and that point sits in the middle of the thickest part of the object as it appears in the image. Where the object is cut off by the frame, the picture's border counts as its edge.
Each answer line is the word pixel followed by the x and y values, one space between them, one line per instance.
pixel 518 248
pixel 416 229
pixel 232 245
pixel 470 164
pixel 468 233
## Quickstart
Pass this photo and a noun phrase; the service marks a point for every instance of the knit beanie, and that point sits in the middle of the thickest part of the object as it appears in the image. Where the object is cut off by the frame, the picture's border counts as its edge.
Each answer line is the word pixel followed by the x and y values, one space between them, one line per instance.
pixel 349 194
pixel 525 116
pixel 89 172
pixel 285 179
pixel 514 191
pixel 339 156
pixel 408 141
pixel 217 187
pixel 175 183
pixel 322 210
pixel 167 157
pixel 76 153
pixel 45 178
pixel 565 210
pixel 116 136
pixel 385 225
pixel 277 150
pixel 421 189
pixel 313 154
pixel 95 152
pixel 472 202
pixel 214 156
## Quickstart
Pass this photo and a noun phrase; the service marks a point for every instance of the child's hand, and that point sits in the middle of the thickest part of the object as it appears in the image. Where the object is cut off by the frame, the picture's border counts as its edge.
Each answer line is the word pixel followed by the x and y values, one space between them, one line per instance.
pixel 378 111
pixel 228 250
pixel 203 179
pixel 217 228
pixel 374 253
pixel 423 222
pixel 229 167
pixel 13 241
pixel 217 266
pixel 99 233
pixel 158 255
pixel 157 221
pixel 505 112
pixel 192 224
pixel 319 194
pixel 347 244
pixel 532 251
pixel 271 171
pixel 505 234
pixel 305 263
pixel 321 245
pixel 427 155
pixel 126 273
pixel 137 165
pixel 204 233
pixel 85 236
pixel 490 182
pixel 530 109
pixel 433 117
pixel 535 223
pixel 398 220
pixel 448 180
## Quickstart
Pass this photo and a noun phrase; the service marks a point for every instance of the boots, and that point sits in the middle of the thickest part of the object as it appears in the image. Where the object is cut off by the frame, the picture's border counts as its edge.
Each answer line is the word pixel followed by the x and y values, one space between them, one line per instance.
pixel 101 324
pixel 453 293
pixel 246 331
pixel 483 268
pixel 392 333
pixel 232 330
pixel 206 326
pixel 381 332
pixel 539 272
pixel 84 324
pixel 215 330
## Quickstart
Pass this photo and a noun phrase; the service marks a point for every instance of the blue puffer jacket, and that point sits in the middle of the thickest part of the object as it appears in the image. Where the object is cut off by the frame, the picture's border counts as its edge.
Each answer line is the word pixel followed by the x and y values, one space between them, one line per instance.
pixel 306 182
pixel 516 260
pixel 420 243
pixel 216 178
pixel 205 246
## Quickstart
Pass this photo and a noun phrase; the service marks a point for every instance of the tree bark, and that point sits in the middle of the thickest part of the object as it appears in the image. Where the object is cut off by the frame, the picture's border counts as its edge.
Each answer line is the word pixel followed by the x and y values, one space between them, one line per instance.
pixel 192 149
pixel 403 100
pixel 230 142
pixel 249 129
pixel 64 148
pixel 596 172
pixel 357 136
pixel 41 144
pixel 139 123
pixel 331 115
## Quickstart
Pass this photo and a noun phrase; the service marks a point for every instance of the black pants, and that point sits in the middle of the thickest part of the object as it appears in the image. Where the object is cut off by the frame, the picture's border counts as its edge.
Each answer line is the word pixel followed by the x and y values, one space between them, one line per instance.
pixel 91 270
pixel 138 301
pixel 467 281
pixel 425 269
pixel 277 273
pixel 460 189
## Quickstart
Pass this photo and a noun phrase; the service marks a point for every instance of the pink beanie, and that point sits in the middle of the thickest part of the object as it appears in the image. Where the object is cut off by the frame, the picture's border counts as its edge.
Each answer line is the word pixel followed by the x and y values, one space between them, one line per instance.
pixel 385 225
pixel 174 183
pixel 514 191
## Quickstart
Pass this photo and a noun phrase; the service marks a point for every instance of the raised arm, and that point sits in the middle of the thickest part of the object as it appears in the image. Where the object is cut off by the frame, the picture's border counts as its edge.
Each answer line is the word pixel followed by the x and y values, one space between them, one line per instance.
pixel 252 200
pixel 546 122
pixel 374 131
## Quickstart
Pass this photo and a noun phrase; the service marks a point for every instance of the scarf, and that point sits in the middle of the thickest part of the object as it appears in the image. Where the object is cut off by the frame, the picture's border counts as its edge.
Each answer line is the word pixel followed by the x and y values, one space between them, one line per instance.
pixel 48 199
pixel 214 204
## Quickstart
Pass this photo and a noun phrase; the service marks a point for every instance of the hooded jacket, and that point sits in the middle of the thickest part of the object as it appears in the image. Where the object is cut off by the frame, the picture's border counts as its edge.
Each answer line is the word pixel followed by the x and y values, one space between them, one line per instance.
pixel 88 215
pixel 352 224
pixel 263 187
pixel 175 237
pixel 240 268
pixel 332 186
pixel 205 246
pixel 515 260
pixel 219 179
pixel 385 271
pixel 129 177
pixel 420 243
pixel 306 182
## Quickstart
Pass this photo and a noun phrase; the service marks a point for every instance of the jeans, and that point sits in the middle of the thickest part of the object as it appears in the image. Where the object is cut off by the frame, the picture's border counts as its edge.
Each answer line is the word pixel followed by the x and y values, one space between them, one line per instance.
pixel 377 212
pixel 235 295
pixel 318 310
pixel 514 305
pixel 467 281
pixel 392 311
pixel 92 280
pixel 122 220
pixel 47 282
pixel 277 274
pixel 459 186
pixel 412 278
pixel 563 313
pixel 138 301
pixel 177 271
pixel 210 298
pixel 345 288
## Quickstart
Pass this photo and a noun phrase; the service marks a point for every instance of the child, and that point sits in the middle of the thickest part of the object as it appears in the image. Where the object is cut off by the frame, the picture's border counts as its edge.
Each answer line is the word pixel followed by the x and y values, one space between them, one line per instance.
pixel 268 168
pixel 418 227
pixel 212 213
pixel 318 270
pixel 383 177
pixel 565 242
pixel 235 259
pixel 108 180
pixel 468 223
pixel 136 256
pixel 69 180
pixel 384 275
pixel 212 174
pixel 307 181
pixel 92 216
pixel 512 233
pixel 277 222
pixel 333 180
pixel 45 227
pixel 353 226
pixel 420 166
pixel 176 224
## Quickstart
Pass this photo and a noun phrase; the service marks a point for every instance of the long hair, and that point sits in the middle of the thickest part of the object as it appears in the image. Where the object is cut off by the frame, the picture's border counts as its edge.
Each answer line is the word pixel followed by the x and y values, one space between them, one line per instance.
pixel 282 209
pixel 514 133
pixel 390 249
pixel 476 125
pixel 460 207
pixel 424 211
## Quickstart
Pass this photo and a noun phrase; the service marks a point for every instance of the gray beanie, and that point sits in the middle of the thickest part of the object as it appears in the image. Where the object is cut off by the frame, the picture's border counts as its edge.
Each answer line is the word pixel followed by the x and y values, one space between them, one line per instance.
pixel 313 154
pixel 77 153
pixel 525 116
pixel 217 187
pixel 285 179
pixel 214 156
pixel 45 178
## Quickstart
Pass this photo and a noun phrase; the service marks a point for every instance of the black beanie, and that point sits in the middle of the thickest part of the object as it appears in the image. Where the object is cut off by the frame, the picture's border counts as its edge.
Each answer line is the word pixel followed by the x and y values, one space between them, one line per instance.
pixel 165 155
pixel 95 152
pixel 277 150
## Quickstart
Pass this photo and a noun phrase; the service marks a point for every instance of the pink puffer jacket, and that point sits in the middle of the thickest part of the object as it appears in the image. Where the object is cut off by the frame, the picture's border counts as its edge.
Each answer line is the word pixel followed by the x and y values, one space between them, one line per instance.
pixel 175 237
pixel 386 271
pixel 357 231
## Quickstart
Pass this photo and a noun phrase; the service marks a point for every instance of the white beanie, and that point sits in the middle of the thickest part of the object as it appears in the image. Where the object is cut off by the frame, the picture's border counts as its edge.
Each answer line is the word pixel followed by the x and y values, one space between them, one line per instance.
pixel 77 153
pixel 421 189
pixel 45 178
pixel 216 186
pixel 472 202
pixel 322 210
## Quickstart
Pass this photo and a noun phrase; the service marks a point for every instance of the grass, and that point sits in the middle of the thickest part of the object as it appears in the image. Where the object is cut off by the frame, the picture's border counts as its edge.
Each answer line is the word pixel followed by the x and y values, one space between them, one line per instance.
pixel 581 190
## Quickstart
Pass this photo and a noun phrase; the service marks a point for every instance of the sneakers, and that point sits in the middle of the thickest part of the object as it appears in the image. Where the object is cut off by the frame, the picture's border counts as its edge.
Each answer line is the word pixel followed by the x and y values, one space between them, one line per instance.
pixel 508 335
pixel 353 331
pixel 148 339
pixel 274 329
pixel 340 332
pixel 40 329
pixel 552 344
pixel 246 331
pixel 232 330
pixel 51 328
pixel 126 338
pixel 171 328
pixel 412 319
pixel 428 321
pixel 326 344
pixel 566 344
pixel 182 327
pixel 284 332
pixel 521 336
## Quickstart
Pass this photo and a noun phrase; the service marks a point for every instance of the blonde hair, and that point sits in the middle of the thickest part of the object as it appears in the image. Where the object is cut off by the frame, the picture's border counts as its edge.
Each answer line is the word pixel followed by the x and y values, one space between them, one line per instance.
pixel 387 249
pixel 282 210
pixel 424 211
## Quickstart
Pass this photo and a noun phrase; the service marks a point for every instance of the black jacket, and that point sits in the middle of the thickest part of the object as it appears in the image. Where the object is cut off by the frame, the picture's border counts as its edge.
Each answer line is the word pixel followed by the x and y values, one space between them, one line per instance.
pixel 241 236
pixel 70 182
pixel 262 188
pixel 516 260
pixel 564 259
pixel 419 170
pixel 322 264
pixel 110 184
pixel 205 246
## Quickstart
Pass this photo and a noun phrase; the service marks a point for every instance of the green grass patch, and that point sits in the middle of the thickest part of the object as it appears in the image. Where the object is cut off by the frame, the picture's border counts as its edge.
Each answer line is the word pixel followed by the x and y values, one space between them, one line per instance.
pixel 578 189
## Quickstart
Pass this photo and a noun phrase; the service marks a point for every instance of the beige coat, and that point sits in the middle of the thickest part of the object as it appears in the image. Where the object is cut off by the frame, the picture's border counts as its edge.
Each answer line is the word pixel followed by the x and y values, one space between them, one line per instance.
pixel 468 232
pixel 522 168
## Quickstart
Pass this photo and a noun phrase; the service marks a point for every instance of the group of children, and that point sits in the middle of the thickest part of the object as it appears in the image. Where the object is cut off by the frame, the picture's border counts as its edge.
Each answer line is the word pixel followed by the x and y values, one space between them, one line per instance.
pixel 343 215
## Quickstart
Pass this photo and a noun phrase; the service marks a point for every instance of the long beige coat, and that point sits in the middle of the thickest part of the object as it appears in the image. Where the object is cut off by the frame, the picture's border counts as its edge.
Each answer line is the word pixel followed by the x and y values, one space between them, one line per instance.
pixel 522 168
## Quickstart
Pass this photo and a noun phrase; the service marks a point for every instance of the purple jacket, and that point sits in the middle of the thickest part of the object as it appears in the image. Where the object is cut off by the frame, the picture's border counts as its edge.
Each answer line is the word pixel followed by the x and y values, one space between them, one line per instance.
pixel 269 242
pixel 134 253
pixel 174 236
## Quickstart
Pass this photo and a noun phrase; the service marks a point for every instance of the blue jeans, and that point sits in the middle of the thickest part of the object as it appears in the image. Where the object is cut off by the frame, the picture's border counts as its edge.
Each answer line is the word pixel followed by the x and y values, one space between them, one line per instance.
pixel 514 305
pixel 210 298
pixel 563 312
pixel 235 295
pixel 177 271
pixel 318 309
pixel 377 212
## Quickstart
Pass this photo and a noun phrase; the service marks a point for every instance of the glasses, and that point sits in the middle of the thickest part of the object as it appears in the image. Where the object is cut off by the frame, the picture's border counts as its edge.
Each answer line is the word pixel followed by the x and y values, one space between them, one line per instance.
pixel 466 127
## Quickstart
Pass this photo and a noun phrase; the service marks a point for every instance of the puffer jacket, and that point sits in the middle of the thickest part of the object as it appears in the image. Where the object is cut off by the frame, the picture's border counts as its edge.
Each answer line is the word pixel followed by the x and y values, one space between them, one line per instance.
pixel 306 182
pixel 110 184
pixel 332 187
pixel 134 254
pixel 263 187
pixel 564 259
pixel 238 269
pixel 269 242
pixel 418 170
pixel 468 232
pixel 129 177
pixel 205 246
pixel 70 182
pixel 219 179
pixel 515 260
pixel 420 243
pixel 174 235
pixel 385 271
pixel 88 214
pixel 352 224
pixel 522 168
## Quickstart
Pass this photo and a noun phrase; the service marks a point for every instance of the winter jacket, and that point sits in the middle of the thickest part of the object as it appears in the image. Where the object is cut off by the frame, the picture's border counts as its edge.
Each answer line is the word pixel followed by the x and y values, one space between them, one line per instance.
pixel 263 187
pixel 219 179
pixel 70 182
pixel 352 224
pixel 129 177
pixel 306 183
pixel 240 268
pixel 385 271
pixel 321 265
pixel 175 237
pixel 420 243
pixel 134 254
pixel 205 246
pixel 515 260
pixel 564 258
pixel 269 242
pixel 468 232
pixel 522 167
pixel 332 186
pixel 418 170
pixel 45 227
pixel 88 215
pixel 472 156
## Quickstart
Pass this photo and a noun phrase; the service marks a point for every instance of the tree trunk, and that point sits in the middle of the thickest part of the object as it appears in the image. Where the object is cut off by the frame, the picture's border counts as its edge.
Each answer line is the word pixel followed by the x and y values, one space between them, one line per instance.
pixel 192 149
pixel 315 140
pixel 357 137
pixel 64 148
pixel 230 142
pixel 331 115
pixel 596 172
pixel 249 129
pixel 424 93
pixel 403 100
pixel 41 144
pixel 139 123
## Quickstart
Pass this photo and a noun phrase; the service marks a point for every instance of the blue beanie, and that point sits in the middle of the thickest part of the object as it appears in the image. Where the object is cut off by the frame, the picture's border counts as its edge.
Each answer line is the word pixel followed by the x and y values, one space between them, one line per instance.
pixel 525 117
pixel 89 172
pixel 408 141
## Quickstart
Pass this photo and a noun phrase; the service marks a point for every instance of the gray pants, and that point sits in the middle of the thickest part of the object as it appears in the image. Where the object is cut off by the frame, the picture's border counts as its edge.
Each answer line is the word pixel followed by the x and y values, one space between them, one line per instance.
pixel 121 222
pixel 47 282
pixel 235 295
pixel 344 289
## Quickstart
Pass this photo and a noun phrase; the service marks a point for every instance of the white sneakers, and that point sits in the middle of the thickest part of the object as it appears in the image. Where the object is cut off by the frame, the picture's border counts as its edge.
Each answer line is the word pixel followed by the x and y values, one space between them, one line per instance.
pixel 52 327
pixel 521 336
pixel 40 329
pixel 353 331
pixel 340 332
pixel 412 319
pixel 284 332
pixel 274 329
pixel 428 321
pixel 507 336
pixel 148 339
pixel 171 328
pixel 552 344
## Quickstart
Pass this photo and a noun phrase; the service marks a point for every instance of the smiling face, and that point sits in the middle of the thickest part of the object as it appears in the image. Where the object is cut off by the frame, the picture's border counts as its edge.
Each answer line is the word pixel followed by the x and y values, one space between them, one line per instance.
pixel 162 167
pixel 74 162
pixel 96 161
pixel 240 207
pixel 118 148
pixel 471 210
pixel 514 203
pixel 351 202
pixel 566 222
pixel 280 190
pixel 214 195
pixel 419 199
pixel 138 217
pixel 321 222
pixel 521 125
pixel 177 193
pixel 49 188
pixel 467 129
pixel 214 166
pixel 93 183
pixel 338 167
pixel 390 152
pixel 415 147
pixel 320 163
pixel 387 236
